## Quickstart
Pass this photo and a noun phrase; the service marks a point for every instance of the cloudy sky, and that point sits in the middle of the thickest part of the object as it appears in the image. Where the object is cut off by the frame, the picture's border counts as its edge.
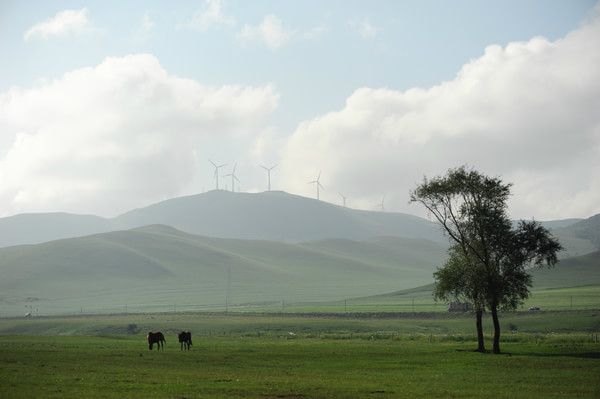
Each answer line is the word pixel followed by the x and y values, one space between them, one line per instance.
pixel 105 107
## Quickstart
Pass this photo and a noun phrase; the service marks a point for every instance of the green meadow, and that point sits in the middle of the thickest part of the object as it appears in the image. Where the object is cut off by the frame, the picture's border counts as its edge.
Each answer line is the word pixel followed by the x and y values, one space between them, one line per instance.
pixel 547 354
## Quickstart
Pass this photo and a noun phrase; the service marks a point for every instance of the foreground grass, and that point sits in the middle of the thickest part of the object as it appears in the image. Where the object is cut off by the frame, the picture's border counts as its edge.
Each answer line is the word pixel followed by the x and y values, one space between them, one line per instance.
pixel 553 354
pixel 308 326
pixel 244 367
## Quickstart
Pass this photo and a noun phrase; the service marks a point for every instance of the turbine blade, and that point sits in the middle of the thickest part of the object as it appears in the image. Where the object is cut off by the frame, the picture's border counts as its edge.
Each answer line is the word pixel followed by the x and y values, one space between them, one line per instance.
pixel 214 164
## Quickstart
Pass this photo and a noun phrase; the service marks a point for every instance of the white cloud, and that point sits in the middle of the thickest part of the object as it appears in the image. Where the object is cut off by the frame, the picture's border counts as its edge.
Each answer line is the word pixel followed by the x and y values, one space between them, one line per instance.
pixel 64 23
pixel 315 32
pixel 527 111
pixel 143 33
pixel 270 31
pixel 211 15
pixel 365 29
pixel 119 135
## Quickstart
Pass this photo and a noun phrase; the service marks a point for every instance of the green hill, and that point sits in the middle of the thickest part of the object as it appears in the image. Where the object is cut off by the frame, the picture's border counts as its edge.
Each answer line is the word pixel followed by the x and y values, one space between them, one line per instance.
pixel 34 228
pixel 587 229
pixel 273 215
pixel 278 216
pixel 158 268
pixel 580 271
pixel 570 272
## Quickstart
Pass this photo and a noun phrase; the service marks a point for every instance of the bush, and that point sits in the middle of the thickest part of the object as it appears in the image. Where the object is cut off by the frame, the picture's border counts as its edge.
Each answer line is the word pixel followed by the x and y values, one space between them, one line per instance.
pixel 132 329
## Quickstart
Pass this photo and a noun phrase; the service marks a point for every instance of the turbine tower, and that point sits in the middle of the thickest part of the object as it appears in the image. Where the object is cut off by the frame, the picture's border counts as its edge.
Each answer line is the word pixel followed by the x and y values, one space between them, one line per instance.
pixel 233 178
pixel 380 205
pixel 217 167
pixel 317 183
pixel 343 199
pixel 269 174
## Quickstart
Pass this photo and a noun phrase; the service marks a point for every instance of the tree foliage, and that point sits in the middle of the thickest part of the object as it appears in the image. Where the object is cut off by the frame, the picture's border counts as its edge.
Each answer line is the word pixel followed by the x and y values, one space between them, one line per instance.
pixel 489 260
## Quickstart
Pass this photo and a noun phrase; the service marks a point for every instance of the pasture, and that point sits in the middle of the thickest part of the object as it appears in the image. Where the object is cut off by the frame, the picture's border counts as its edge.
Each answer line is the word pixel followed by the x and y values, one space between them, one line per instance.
pixel 552 354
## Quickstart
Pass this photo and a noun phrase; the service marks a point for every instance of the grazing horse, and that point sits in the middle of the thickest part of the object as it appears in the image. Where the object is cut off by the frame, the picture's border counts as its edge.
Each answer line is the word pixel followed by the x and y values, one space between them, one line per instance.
pixel 156 338
pixel 185 339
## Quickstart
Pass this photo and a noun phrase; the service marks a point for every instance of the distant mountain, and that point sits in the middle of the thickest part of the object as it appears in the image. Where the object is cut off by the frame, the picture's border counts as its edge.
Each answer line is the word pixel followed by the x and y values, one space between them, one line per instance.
pixel 556 224
pixel 570 272
pixel 273 215
pixel 587 229
pixel 34 228
pixel 156 265
pixel 579 238
pixel 276 215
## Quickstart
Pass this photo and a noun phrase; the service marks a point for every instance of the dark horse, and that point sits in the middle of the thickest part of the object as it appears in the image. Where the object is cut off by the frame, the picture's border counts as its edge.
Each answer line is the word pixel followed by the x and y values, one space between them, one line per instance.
pixel 185 339
pixel 156 338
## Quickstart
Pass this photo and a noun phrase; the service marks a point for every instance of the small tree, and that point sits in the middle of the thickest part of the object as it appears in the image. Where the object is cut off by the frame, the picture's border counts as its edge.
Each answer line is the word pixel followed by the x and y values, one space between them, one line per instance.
pixel 488 263
pixel 458 279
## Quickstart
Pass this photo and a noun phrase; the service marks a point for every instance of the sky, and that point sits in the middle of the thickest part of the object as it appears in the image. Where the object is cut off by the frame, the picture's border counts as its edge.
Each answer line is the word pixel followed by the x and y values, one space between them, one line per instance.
pixel 107 106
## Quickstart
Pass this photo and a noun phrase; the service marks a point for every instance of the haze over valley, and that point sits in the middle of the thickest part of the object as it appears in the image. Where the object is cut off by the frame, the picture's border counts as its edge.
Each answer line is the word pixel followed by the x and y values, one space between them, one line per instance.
pixel 243 250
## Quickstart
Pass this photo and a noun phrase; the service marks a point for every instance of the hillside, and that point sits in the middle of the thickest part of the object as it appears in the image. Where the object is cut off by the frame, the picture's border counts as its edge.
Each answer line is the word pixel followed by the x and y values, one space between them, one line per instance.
pixel 34 228
pixel 273 216
pixel 577 271
pixel 276 215
pixel 157 266
pixel 587 229
pixel 570 272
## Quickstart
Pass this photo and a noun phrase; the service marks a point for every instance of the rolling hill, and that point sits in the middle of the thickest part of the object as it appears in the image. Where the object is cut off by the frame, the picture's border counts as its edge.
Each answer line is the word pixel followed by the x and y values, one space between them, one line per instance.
pixel 579 271
pixel 34 228
pixel 586 229
pixel 570 272
pixel 276 215
pixel 156 266
pixel 273 216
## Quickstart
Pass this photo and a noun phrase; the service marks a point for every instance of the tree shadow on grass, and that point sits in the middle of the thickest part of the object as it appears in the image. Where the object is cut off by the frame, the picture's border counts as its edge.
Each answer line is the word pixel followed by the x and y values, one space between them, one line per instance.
pixel 581 355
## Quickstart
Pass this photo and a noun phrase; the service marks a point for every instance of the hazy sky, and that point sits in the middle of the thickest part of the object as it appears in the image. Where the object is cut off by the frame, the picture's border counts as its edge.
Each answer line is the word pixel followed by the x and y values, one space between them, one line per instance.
pixel 107 106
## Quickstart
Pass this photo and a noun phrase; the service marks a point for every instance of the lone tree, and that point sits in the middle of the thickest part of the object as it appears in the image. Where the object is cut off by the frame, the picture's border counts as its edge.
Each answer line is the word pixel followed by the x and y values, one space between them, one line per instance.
pixel 490 260
pixel 459 279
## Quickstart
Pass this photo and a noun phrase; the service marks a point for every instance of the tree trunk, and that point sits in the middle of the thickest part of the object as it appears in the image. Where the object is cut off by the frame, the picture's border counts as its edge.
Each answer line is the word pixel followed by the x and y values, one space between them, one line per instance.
pixel 480 341
pixel 496 348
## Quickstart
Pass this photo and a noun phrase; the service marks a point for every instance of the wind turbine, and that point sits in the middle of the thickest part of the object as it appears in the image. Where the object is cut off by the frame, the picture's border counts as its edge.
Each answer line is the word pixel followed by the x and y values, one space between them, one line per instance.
pixel 380 205
pixel 343 199
pixel 217 167
pixel 269 173
pixel 233 178
pixel 317 184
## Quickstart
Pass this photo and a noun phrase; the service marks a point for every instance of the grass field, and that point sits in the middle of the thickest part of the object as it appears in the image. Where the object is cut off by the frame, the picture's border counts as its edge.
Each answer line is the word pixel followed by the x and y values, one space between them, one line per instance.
pixel 552 354
pixel 421 300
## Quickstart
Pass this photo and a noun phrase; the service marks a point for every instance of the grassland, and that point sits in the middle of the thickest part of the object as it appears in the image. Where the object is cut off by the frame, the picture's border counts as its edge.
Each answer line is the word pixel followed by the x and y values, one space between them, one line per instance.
pixel 552 354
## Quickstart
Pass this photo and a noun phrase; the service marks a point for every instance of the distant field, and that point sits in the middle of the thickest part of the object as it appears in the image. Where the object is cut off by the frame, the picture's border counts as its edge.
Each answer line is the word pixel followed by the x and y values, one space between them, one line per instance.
pixel 553 355
pixel 405 301
pixel 421 300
